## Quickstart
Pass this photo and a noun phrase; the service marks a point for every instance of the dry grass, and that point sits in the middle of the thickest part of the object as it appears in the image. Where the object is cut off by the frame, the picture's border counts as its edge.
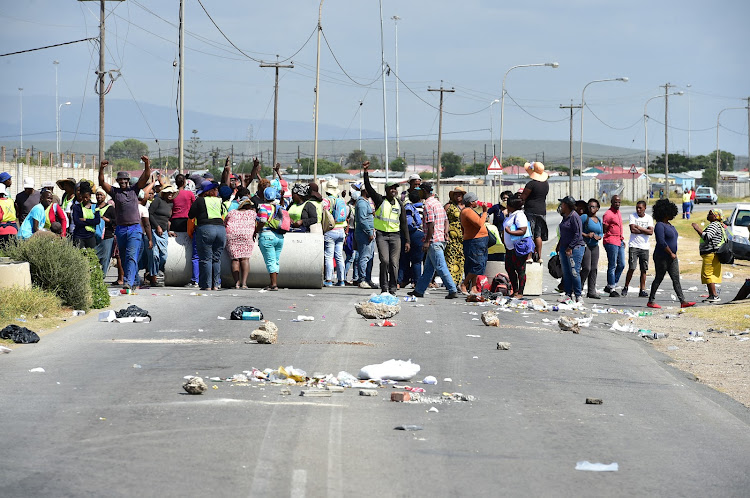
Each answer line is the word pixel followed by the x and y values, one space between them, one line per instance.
pixel 730 316
pixel 29 304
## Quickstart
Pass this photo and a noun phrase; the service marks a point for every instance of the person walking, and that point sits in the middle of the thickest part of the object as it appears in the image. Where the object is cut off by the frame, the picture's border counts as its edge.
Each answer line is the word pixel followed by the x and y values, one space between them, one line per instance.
pixel 571 242
pixel 476 240
pixel 641 228
pixel 665 252
pixel 534 198
pixel 435 227
pixel 712 237
pixel 686 205
pixel 128 231
pixel 389 221
pixel 240 225
pixel 614 246
pixel 592 234
pixel 364 238
pixel 454 248
pixel 210 234
pixel 517 237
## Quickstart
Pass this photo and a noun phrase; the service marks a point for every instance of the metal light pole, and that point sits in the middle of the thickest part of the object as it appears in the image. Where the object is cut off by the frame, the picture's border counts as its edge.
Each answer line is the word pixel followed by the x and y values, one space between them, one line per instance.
pixel 553 65
pixel 645 126
pixel 181 96
pixel 717 143
pixel 583 104
pixel 385 114
pixel 57 116
pixel 20 95
pixel 360 125
pixel 396 19
pixel 58 130
pixel 317 95
pixel 492 136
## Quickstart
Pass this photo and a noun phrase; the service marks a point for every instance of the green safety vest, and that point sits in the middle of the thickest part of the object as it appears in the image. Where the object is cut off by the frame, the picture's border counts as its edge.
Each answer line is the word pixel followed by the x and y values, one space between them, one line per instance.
pixel 88 214
pixel 9 210
pixel 387 216
pixel 215 208
pixel 295 211
pixel 319 209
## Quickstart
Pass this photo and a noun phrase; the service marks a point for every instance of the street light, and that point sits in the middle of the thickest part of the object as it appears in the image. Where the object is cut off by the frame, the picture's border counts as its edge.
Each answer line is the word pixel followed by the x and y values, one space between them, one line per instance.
pixel 58 131
pixel 688 90
pixel 553 65
pixel 645 125
pixel 717 143
pixel 360 125
pixel 396 19
pixel 583 104
pixel 57 114
pixel 492 137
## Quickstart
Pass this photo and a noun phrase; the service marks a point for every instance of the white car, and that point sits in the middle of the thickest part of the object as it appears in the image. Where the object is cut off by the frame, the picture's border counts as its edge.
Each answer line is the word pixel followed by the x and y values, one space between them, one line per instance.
pixel 706 194
pixel 739 221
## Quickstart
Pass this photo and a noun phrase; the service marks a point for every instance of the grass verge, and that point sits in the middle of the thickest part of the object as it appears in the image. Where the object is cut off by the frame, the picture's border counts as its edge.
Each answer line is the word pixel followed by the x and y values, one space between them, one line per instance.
pixel 730 316
pixel 29 304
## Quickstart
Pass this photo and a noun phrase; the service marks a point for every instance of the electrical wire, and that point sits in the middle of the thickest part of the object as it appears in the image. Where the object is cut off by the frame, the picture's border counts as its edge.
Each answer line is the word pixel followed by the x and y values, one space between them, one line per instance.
pixel 533 116
pixel 609 126
pixel 46 47
pixel 344 70
pixel 429 104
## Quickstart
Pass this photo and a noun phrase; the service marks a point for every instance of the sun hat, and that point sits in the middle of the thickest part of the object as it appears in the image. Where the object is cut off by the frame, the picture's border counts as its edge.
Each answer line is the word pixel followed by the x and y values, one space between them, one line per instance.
pixel 169 189
pixel 245 201
pixel 206 186
pixel 315 191
pixel 123 175
pixel 718 213
pixel 414 176
pixel 391 183
pixel 72 181
pixel 5 176
pixel 208 175
pixel 457 190
pixel 536 171
pixel 48 185
pixel 470 197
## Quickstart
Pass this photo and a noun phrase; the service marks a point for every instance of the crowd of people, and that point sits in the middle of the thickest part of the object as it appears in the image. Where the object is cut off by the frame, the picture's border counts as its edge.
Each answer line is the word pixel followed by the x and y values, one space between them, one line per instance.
pixel 418 238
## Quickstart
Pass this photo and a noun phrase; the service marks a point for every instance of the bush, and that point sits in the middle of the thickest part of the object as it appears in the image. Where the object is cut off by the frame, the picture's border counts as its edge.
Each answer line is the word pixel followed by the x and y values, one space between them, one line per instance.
pixel 29 302
pixel 56 266
pixel 99 291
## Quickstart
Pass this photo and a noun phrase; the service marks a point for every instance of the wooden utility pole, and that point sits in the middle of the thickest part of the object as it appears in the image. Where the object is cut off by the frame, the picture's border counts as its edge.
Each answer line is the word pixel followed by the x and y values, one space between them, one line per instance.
pixel 666 137
pixel 276 65
pixel 571 107
pixel 440 127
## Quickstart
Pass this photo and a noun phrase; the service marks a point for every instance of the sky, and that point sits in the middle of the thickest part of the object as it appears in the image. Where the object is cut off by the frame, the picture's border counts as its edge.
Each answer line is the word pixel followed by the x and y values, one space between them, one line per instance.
pixel 467 46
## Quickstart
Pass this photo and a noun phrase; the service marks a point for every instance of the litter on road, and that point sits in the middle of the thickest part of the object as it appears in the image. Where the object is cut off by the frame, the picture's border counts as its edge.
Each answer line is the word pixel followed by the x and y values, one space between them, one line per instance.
pixel 19 335
pixel 390 370
pixel 37 370
pixel 597 467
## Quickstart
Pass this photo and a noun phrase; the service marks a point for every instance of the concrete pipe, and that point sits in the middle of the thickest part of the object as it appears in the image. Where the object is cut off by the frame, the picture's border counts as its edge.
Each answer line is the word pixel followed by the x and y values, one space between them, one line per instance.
pixel 15 274
pixel 300 266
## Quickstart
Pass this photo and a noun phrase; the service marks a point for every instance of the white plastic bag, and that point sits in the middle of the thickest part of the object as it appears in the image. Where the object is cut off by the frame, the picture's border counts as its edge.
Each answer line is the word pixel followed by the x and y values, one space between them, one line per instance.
pixel 390 370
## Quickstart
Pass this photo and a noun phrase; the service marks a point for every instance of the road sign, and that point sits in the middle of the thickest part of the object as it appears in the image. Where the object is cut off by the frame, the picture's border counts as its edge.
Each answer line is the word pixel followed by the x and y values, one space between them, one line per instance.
pixel 494 168
pixel 633 170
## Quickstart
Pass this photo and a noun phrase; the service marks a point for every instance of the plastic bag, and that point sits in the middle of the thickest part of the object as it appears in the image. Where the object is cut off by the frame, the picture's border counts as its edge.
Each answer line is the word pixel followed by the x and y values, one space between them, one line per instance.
pixel 384 298
pixel 239 310
pixel 390 370
pixel 132 311
pixel 19 335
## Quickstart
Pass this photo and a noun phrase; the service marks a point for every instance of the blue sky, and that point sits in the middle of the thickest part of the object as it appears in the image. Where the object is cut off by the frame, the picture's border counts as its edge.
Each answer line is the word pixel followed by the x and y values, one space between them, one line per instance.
pixel 469 45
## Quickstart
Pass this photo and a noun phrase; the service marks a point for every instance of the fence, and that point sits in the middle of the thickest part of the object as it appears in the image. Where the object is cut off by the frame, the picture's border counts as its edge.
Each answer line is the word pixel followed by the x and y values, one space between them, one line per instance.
pixel 48 174
pixel 737 190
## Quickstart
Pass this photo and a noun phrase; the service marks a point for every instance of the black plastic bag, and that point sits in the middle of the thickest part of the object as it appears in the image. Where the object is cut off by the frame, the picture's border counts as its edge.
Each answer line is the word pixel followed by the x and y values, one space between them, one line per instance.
pixel 555 267
pixel 19 335
pixel 237 313
pixel 132 311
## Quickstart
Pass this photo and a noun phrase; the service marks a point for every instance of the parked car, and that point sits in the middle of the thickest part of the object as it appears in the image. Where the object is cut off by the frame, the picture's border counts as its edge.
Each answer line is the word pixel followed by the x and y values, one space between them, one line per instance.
pixel 739 224
pixel 706 194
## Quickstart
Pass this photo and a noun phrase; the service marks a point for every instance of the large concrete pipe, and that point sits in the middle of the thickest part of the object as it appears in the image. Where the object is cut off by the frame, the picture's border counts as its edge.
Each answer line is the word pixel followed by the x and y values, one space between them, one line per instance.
pixel 15 273
pixel 300 266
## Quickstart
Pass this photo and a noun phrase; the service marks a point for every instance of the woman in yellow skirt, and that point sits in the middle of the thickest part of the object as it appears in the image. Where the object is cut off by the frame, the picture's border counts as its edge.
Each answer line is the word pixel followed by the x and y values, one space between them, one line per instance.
pixel 712 238
pixel 454 249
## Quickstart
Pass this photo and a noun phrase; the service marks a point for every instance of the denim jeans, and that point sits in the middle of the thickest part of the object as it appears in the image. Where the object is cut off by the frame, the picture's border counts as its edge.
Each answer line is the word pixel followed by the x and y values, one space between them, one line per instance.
pixel 410 266
pixel 366 250
pixel 389 251
pixel 104 253
pixel 210 240
pixel 271 244
pixel 352 261
pixel 571 267
pixel 194 260
pixel 157 257
pixel 334 248
pixel 615 262
pixel 435 263
pixel 129 244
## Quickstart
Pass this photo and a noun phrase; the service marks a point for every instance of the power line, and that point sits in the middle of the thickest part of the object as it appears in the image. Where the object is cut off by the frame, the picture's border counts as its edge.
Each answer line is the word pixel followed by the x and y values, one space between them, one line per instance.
pixel 46 47
pixel 609 126
pixel 533 116
pixel 344 70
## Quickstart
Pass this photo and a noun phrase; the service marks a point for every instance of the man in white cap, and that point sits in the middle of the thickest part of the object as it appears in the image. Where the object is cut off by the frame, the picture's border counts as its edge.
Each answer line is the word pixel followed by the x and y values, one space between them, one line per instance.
pixel 26 199
pixel 534 198
pixel 414 182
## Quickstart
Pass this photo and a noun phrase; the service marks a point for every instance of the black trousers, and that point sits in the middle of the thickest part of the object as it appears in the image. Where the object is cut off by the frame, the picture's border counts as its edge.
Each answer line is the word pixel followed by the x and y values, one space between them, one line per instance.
pixel 662 267
pixel 389 252
pixel 589 267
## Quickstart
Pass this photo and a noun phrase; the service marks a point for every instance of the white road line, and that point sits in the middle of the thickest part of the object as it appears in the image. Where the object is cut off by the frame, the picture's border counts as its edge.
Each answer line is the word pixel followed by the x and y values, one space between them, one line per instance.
pixel 334 453
pixel 299 483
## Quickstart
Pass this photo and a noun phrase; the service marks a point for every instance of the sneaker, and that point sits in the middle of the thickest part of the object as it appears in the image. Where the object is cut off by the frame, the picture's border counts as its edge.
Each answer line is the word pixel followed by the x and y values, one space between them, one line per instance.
pixel 712 299
pixel 328 284
pixel 579 300
pixel 643 293
pixel 614 293
pixel 364 285
pixel 340 284
pixel 607 289
pixel 415 294
pixel 559 288
pixel 624 292
pixel 565 299
pixel 192 285
pixel 593 296
pixel 652 304
pixel 687 304
pixel 452 295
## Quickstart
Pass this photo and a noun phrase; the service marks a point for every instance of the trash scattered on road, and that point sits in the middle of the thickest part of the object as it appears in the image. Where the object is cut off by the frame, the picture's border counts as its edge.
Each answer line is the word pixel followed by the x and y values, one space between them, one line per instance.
pixel 429 380
pixel 400 397
pixel 368 392
pixel 3 349
pixel 267 333
pixel 410 299
pixel 656 335
pixel 136 365
pixel 414 389
pixel 695 339
pixel 672 348
pixel 37 370
pixel 409 428
pixel 597 467
pixel 304 318
pixel 503 346
pixel 246 313
pixel 696 333
pixel 221 318
pixel 728 274
pixel 490 319
pixel 569 324
pixel 19 335
pixel 594 401
pixel 78 313
pixel 473 335
pixel 390 370
pixel 433 410
pixel 132 311
pixel 447 379
pixel 384 323
pixel 622 328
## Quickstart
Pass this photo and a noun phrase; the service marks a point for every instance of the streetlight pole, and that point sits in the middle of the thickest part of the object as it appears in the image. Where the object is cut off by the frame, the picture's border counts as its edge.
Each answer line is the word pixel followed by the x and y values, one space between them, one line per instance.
pixel 492 136
pixel 57 115
pixel 317 95
pixel 553 65
pixel 583 104
pixel 396 19
pixel 688 92
pixel 20 95
pixel 58 130
pixel 717 143
pixel 360 125
pixel 645 126
pixel 382 68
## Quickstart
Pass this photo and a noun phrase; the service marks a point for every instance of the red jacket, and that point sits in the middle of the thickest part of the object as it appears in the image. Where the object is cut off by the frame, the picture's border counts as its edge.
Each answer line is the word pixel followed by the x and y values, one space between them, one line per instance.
pixel 55 213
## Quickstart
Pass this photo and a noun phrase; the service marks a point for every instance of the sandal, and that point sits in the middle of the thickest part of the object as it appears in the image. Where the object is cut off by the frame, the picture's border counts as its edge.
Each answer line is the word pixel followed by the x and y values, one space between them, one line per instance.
pixel 271 288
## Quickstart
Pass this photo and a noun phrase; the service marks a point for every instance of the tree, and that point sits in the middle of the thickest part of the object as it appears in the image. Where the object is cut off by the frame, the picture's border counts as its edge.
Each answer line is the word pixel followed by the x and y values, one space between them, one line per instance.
pixel 427 175
pixel 515 161
pixel 451 164
pixel 127 149
pixel 356 158
pixel 709 177
pixel 374 162
pixel 398 164
pixel 479 169
pixel 325 167
pixel 194 158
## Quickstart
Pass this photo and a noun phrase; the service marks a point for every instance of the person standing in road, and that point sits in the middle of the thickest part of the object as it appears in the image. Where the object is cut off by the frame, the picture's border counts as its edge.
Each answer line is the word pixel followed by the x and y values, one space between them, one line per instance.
pixel 454 248
pixel 414 182
pixel 712 237
pixel 592 234
pixel 516 232
pixel 87 218
pixel 476 240
pixel 641 228
pixel 435 227
pixel 364 238
pixel 390 220
pixel 534 198
pixel 210 234
pixel 571 242
pixel 665 253
pixel 614 245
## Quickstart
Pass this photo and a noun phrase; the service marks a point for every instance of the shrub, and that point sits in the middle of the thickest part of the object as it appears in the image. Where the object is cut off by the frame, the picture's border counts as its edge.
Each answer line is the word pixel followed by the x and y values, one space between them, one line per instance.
pixel 56 266
pixel 29 302
pixel 99 291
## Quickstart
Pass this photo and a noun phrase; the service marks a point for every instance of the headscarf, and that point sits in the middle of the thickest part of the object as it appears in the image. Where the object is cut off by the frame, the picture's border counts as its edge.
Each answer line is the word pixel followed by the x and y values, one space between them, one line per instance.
pixel 718 213
pixel 301 189
pixel 190 185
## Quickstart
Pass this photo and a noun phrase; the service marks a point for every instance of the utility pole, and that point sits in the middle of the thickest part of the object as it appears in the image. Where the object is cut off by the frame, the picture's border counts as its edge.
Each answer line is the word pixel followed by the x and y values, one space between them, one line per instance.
pixel 382 74
pixel 666 136
pixel 276 65
pixel 570 173
pixel 396 19
pixel 748 133
pixel 298 163
pixel 181 91
pixel 317 94
pixel 440 127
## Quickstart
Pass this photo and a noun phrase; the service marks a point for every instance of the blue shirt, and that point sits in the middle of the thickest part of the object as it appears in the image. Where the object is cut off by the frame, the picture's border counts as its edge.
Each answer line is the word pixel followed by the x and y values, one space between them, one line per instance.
pixel 570 232
pixel 594 227
pixel 364 219
pixel 666 236
pixel 36 213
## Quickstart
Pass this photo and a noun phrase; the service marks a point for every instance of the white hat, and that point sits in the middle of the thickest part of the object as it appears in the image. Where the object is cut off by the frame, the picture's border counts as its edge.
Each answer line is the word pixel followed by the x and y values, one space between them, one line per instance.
pixel 28 182
pixel 414 176
pixel 50 185
pixel 2 189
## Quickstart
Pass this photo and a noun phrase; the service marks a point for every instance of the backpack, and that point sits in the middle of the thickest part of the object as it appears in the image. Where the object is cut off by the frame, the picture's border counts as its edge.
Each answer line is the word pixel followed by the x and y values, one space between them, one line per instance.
pixel 501 285
pixel 339 210
pixel 327 221
pixel 493 233
pixel 725 252
pixel 280 221
pixel 413 218
pixel 554 266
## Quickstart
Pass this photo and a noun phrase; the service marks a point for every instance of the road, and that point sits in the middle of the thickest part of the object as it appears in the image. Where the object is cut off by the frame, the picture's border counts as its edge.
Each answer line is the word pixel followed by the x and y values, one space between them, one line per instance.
pixel 94 424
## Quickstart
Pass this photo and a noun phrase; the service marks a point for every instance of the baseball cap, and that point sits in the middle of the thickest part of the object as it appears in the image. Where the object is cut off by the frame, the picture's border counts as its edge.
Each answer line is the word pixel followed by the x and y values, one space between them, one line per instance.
pixel 569 200
pixel 28 182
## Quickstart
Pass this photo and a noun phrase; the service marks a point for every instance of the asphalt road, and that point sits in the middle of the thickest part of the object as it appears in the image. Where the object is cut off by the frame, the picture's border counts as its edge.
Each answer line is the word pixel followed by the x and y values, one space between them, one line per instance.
pixel 95 425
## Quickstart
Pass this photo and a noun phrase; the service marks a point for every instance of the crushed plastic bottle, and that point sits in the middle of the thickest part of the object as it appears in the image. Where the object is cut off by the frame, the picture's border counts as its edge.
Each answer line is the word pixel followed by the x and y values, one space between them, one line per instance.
pixel 645 313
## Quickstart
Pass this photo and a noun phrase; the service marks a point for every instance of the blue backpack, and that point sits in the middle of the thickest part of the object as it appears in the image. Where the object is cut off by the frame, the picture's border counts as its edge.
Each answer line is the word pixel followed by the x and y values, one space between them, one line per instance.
pixel 339 210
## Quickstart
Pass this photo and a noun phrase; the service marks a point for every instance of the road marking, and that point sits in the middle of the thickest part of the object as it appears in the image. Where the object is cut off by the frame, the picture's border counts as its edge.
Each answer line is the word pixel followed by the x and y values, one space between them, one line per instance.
pixel 171 341
pixel 334 453
pixel 299 483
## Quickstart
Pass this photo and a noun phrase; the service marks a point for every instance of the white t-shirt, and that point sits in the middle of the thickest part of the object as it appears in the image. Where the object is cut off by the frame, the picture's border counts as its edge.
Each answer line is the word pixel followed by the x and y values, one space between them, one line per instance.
pixel 518 219
pixel 640 240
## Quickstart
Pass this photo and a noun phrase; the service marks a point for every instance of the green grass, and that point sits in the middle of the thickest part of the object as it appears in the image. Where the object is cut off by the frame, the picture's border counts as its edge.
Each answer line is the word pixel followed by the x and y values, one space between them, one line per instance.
pixel 28 304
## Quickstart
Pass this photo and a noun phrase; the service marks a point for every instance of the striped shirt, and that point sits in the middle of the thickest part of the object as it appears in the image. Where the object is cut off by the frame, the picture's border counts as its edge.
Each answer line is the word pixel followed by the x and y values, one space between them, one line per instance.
pixel 711 238
pixel 434 213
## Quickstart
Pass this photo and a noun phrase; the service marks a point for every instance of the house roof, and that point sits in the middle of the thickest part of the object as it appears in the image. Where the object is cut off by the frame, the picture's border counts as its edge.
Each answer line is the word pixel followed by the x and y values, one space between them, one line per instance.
pixel 618 176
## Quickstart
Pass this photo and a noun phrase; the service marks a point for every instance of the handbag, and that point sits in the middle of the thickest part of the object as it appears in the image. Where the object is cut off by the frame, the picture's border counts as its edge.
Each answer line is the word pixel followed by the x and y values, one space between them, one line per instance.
pixel 554 266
